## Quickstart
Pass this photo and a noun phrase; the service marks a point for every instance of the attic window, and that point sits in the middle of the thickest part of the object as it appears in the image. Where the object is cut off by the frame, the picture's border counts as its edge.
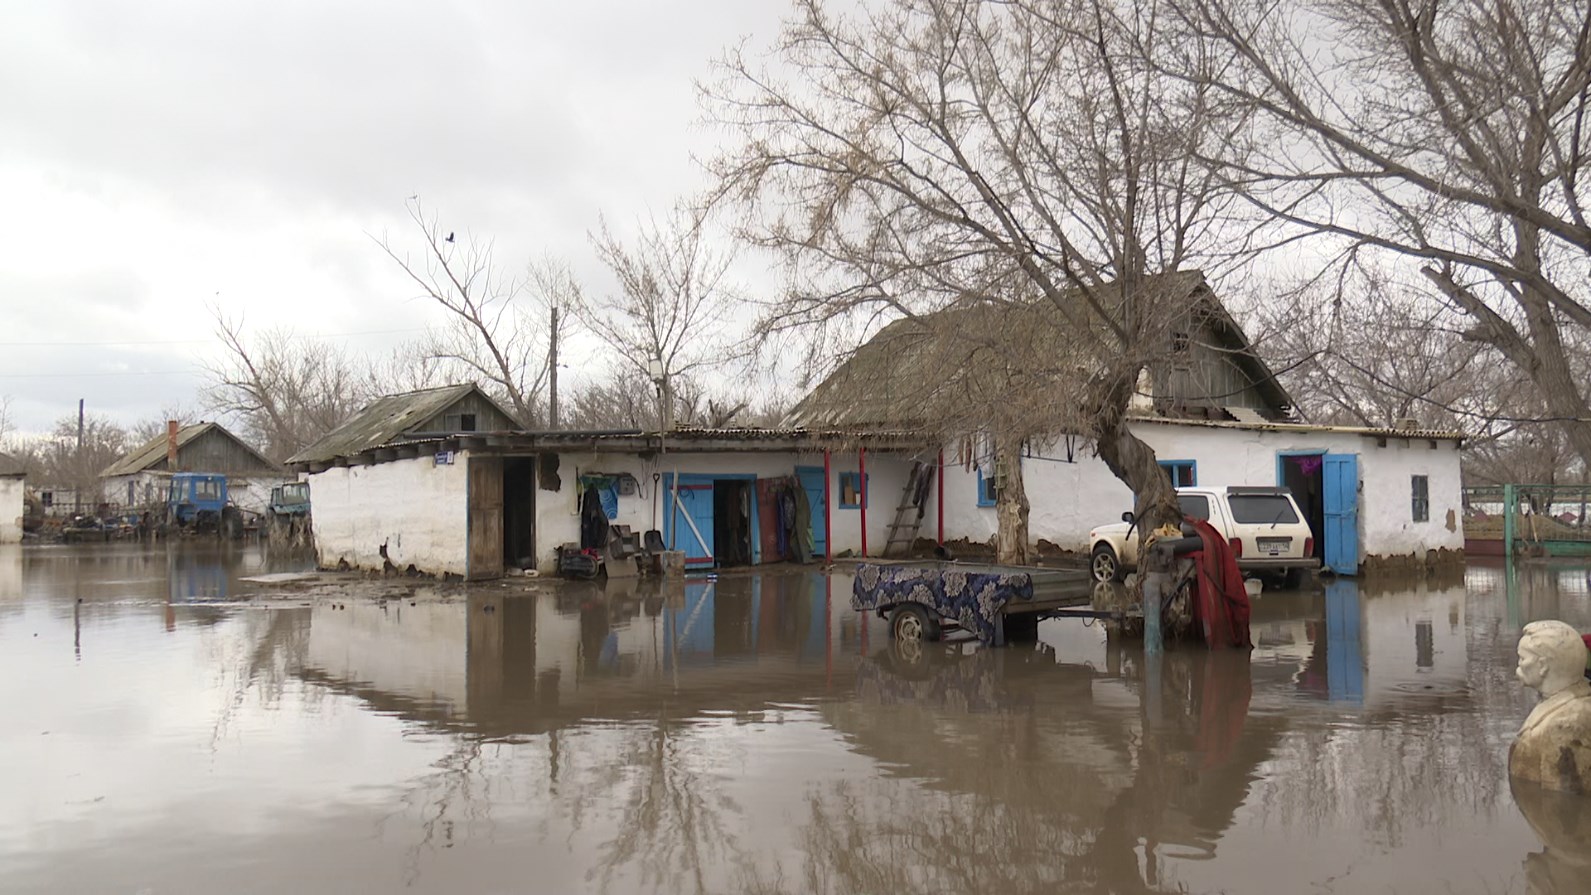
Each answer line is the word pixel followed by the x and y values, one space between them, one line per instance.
pixel 1180 342
pixel 459 422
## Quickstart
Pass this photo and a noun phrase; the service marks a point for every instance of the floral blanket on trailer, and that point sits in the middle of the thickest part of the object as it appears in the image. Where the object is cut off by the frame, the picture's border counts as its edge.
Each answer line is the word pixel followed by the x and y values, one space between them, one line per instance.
pixel 973 599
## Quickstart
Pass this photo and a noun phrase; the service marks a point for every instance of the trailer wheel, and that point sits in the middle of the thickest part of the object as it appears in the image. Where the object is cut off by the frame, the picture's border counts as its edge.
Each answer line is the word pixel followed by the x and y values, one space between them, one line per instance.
pixel 911 622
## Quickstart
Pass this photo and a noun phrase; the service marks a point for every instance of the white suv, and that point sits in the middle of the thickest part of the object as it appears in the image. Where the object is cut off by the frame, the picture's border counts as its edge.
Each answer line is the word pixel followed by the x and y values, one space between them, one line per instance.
pixel 1264 526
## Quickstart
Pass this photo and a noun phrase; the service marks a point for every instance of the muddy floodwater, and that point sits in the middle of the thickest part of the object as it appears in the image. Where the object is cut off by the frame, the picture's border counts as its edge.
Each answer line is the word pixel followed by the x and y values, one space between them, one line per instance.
pixel 169 726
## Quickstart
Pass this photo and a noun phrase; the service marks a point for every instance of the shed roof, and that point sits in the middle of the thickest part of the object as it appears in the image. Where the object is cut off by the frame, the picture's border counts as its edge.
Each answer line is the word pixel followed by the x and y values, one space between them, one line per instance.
pixel 917 369
pixel 384 420
pixel 11 467
pixel 153 451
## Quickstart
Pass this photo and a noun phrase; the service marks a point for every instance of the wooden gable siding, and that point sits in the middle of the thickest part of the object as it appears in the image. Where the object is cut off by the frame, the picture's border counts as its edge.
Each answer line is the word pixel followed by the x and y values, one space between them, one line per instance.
pixel 487 417
pixel 1206 376
pixel 215 452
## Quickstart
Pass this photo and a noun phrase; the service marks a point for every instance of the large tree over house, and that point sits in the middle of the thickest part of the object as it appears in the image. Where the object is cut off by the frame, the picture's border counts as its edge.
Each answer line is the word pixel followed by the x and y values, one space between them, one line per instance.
pixel 1444 138
pixel 919 156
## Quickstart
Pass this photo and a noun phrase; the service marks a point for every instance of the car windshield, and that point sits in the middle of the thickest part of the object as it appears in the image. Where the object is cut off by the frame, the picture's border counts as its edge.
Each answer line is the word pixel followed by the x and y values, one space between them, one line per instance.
pixel 1262 509
pixel 1195 505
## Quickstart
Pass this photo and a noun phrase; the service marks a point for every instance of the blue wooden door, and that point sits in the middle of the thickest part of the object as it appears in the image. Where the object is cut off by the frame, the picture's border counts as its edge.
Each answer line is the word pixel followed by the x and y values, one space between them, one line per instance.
pixel 696 506
pixel 1340 505
pixel 811 478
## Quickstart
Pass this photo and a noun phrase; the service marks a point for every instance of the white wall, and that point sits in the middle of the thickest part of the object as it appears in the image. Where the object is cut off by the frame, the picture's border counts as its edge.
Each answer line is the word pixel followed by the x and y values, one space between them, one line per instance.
pixel 10 510
pixel 418 509
pixel 1070 498
pixel 558 513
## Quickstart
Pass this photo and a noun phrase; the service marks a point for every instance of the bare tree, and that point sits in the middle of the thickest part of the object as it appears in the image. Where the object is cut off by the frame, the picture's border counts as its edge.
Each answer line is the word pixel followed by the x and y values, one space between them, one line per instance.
pixel 496 330
pixel 150 429
pixel 923 155
pixel 75 458
pixel 284 390
pixel 1447 136
pixel 625 400
pixel 665 318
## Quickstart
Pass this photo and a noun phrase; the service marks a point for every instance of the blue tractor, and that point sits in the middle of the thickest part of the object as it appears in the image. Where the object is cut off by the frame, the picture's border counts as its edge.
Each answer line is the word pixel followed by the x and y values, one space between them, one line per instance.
pixel 197 504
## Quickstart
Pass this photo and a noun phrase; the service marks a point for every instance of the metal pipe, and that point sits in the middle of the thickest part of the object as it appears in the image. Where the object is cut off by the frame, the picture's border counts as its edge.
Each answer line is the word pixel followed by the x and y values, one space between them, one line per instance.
pixel 828 514
pixel 941 499
pixel 861 474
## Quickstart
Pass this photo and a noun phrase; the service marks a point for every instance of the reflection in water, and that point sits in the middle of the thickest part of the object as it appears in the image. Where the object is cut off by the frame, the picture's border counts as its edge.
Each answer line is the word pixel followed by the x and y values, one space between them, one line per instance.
pixel 1563 823
pixel 747 734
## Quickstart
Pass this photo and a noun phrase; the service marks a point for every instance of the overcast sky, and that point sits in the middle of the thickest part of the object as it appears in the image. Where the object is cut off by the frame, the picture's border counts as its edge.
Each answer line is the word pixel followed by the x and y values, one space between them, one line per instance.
pixel 157 157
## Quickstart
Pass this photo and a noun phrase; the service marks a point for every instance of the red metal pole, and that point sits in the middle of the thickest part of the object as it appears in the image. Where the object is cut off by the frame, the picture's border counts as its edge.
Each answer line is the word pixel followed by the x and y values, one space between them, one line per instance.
pixel 941 501
pixel 828 514
pixel 861 473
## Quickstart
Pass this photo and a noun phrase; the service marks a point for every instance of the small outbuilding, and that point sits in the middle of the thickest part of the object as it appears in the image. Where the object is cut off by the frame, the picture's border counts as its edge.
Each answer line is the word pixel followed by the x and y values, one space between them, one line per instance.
pixel 139 479
pixel 12 476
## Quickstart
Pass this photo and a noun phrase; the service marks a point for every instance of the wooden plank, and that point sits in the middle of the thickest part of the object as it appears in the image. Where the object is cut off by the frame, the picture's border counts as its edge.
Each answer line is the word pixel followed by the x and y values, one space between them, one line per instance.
pixel 485 558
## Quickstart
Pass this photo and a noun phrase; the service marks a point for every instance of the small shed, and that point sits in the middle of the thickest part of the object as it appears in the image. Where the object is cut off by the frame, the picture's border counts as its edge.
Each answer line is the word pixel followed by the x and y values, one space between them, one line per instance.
pixel 449 410
pixel 139 479
pixel 11 503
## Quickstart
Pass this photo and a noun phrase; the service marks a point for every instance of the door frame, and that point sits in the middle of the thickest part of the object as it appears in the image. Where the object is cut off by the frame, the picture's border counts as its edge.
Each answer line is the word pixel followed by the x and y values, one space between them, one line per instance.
pixel 708 478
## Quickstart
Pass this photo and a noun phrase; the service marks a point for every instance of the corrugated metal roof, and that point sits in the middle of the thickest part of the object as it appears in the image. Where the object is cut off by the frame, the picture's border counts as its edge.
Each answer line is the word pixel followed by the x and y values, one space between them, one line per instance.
pixel 154 451
pixel 10 467
pixel 1374 431
pixel 384 420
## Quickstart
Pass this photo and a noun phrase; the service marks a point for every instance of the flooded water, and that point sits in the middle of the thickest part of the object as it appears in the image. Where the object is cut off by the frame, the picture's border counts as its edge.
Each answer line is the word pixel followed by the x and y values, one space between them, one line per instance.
pixel 171 728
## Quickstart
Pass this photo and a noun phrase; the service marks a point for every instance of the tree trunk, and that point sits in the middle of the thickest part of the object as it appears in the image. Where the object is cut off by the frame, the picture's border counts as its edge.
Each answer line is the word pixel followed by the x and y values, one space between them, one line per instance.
pixel 1132 461
pixel 1010 503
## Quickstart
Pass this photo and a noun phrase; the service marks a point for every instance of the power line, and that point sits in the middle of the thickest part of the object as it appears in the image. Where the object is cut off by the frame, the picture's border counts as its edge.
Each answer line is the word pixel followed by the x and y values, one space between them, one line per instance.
pixel 43 344
pixel 87 375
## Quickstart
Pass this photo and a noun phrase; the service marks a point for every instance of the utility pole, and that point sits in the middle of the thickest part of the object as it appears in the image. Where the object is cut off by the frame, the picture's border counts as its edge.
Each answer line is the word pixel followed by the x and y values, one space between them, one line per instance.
pixel 552 373
pixel 77 487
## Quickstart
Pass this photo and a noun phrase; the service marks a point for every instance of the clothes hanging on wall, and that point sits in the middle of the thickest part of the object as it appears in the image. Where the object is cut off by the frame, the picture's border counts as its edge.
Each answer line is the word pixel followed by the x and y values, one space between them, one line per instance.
pixel 593 520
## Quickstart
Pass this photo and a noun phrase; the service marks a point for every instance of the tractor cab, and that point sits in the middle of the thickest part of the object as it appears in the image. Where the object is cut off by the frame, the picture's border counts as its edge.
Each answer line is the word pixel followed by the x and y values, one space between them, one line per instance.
pixel 291 499
pixel 197 502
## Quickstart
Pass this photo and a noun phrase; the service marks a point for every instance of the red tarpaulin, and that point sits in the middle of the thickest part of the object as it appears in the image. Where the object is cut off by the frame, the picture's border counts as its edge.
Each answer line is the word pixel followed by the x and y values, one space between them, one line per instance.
pixel 1220 602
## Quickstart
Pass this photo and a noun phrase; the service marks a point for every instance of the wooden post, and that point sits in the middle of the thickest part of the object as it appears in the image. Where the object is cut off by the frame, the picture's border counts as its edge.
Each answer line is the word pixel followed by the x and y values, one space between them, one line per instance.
pixel 940 501
pixel 861 475
pixel 828 514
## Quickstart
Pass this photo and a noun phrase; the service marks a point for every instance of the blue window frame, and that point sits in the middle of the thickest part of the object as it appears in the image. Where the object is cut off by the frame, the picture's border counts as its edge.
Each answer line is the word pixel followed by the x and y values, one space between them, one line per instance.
pixel 1183 473
pixel 986 489
pixel 853 491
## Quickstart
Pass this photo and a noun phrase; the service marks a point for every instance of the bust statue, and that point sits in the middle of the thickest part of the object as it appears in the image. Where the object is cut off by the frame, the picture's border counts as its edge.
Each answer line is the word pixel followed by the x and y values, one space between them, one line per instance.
pixel 1553 748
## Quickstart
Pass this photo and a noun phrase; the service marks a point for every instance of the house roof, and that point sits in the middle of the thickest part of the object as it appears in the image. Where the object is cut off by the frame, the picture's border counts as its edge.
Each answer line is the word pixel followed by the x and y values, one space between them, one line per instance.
pixel 385 419
pixel 11 467
pixel 1371 431
pixel 915 368
pixel 154 451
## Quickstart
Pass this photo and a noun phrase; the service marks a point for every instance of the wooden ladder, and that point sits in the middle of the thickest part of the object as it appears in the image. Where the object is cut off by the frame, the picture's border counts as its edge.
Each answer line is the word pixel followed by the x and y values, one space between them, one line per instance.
pixel 909 514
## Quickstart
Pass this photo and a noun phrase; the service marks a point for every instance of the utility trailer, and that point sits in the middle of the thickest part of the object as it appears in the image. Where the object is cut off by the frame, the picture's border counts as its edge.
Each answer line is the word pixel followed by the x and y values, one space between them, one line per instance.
pixel 994 603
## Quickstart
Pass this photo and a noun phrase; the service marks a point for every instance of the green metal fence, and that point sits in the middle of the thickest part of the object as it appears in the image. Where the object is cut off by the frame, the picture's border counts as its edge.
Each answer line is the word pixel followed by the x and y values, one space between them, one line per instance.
pixel 1538 520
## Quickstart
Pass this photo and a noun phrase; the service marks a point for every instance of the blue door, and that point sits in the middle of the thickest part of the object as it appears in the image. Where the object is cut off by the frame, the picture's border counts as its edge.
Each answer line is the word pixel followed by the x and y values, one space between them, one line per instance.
pixel 1339 485
pixel 811 478
pixel 695 509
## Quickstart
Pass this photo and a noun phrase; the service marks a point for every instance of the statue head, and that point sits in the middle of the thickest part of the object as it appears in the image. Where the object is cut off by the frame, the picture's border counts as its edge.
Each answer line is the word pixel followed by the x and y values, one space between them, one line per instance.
pixel 1552 656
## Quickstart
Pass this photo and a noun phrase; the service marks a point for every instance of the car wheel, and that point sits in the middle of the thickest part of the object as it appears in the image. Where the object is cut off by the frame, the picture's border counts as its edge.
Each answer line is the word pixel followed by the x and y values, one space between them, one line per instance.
pixel 913 623
pixel 1104 564
pixel 1292 578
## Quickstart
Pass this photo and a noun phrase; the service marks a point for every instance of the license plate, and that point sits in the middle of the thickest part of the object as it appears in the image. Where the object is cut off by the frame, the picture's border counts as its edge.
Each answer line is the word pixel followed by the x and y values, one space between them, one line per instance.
pixel 1274 546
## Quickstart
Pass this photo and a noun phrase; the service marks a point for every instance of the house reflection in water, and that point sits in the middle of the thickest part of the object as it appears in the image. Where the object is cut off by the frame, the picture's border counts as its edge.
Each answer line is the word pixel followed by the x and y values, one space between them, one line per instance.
pixel 526 664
